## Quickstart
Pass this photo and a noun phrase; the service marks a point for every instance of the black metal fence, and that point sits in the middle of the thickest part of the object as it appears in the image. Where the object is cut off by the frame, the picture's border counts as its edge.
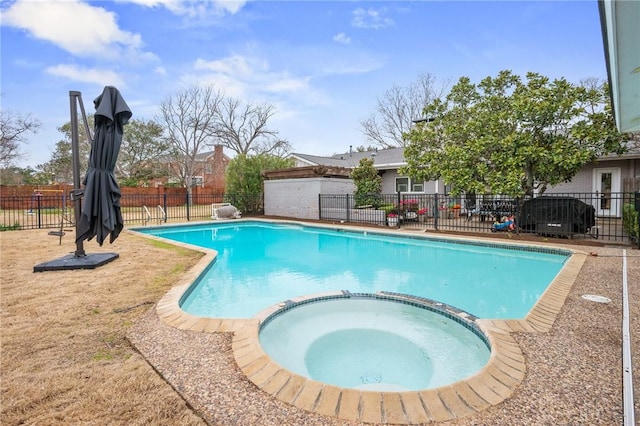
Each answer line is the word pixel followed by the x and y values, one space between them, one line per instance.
pixel 57 211
pixel 609 217
pixel 606 217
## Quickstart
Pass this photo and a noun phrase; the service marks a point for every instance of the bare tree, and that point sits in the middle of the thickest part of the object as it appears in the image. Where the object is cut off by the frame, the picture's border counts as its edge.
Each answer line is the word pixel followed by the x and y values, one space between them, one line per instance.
pixel 397 111
pixel 189 119
pixel 14 128
pixel 242 128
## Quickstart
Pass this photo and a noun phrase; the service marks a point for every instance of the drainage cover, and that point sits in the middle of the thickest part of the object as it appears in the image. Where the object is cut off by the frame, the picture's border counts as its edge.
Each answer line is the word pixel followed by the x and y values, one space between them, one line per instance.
pixel 596 298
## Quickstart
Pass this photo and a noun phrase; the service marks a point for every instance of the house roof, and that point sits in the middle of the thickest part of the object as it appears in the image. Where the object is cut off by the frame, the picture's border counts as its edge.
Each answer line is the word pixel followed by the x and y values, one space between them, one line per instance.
pixel 307 172
pixel 620 33
pixel 390 158
pixel 203 156
pixel 393 158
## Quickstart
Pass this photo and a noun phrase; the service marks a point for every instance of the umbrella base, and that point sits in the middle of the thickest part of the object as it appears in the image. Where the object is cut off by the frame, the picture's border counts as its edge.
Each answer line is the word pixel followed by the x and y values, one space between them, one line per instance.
pixel 71 261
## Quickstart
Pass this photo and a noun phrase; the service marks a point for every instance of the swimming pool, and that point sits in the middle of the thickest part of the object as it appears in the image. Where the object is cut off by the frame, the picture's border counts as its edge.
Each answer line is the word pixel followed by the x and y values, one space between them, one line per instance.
pixel 260 264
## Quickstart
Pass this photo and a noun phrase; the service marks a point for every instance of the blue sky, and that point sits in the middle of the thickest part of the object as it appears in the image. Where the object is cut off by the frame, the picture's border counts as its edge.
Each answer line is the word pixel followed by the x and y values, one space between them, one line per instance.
pixel 322 64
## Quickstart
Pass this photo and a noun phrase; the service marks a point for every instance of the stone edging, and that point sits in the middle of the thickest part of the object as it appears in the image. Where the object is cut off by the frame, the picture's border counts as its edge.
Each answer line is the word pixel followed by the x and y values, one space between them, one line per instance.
pixel 494 383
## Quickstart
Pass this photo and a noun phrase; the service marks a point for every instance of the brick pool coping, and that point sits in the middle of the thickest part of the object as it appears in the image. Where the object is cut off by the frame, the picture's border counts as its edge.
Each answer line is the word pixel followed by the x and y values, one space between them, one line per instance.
pixel 494 383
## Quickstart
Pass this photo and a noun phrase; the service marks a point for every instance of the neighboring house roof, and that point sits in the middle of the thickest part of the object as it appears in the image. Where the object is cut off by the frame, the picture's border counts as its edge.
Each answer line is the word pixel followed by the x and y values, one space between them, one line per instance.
pixel 391 158
pixel 204 156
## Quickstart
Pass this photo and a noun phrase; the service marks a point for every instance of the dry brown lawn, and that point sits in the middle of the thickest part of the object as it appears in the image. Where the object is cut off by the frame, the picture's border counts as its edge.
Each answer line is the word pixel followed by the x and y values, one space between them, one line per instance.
pixel 64 355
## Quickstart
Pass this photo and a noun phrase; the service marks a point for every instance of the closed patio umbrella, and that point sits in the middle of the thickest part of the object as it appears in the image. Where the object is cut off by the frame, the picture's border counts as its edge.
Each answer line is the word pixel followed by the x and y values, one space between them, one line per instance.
pixel 101 215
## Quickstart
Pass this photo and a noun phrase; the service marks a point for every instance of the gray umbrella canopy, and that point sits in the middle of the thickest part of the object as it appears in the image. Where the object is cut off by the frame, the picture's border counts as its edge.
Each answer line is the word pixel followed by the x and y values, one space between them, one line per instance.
pixel 101 215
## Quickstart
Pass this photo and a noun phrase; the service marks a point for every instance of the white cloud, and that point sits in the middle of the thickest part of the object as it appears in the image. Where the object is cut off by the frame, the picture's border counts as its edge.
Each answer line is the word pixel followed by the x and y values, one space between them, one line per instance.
pixel 87 75
pixel 252 79
pixel 371 19
pixel 192 8
pixel 76 27
pixel 342 38
pixel 234 65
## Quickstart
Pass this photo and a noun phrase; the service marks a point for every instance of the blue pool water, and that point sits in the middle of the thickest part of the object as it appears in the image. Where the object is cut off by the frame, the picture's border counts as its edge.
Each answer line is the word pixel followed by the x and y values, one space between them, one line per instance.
pixel 260 264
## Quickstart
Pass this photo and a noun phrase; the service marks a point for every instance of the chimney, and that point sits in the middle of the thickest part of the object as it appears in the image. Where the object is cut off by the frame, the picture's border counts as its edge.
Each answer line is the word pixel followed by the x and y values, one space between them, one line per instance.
pixel 219 167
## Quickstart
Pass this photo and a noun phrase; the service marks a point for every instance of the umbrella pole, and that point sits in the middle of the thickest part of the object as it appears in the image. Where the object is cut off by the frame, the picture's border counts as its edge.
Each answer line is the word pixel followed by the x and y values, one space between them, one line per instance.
pixel 74 98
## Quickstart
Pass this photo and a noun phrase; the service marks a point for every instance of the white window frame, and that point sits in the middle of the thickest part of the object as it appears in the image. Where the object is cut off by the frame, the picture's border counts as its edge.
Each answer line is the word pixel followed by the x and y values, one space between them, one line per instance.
pixel 411 186
pixel 398 187
pixel 197 181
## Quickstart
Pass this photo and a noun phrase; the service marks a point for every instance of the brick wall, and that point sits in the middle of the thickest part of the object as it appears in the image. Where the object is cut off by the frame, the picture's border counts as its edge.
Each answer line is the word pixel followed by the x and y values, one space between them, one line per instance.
pixel 298 198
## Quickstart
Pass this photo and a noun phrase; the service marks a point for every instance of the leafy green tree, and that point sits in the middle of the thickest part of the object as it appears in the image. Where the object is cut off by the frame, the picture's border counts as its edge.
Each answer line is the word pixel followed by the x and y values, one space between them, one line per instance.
pixel 142 157
pixel 22 176
pixel 59 168
pixel 244 180
pixel 368 183
pixel 143 153
pixel 510 136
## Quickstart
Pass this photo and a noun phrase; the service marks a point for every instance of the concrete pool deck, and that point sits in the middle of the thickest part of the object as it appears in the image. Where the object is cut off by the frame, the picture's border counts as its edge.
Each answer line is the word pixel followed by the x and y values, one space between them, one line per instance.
pixel 490 388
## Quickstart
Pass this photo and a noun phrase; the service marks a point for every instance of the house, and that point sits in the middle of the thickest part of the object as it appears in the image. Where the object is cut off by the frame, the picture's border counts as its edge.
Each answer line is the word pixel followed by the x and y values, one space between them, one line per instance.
pixel 386 161
pixel 209 170
pixel 607 175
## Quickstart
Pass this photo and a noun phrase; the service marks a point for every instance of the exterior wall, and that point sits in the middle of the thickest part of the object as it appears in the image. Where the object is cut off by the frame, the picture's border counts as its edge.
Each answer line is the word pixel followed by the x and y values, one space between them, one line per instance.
pixel 211 168
pixel 214 176
pixel 300 163
pixel 389 184
pixel 583 180
pixel 389 181
pixel 298 198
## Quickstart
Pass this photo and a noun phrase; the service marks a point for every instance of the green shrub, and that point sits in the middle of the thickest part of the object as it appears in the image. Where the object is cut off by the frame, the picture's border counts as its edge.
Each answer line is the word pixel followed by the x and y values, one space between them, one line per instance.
pixel 368 184
pixel 388 208
pixel 630 220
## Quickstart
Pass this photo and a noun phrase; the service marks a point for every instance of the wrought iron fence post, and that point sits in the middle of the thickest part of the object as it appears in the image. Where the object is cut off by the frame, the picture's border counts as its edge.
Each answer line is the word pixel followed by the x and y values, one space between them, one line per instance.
pixel 187 204
pixel 164 206
pixel 518 214
pixel 400 209
pixel 436 211
pixel 39 198
pixel 347 204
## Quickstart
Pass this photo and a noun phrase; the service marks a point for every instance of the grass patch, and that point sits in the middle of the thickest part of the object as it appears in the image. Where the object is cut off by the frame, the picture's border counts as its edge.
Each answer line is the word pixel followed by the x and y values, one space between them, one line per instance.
pixel 65 355
pixel 102 356
pixel 14 227
pixel 167 246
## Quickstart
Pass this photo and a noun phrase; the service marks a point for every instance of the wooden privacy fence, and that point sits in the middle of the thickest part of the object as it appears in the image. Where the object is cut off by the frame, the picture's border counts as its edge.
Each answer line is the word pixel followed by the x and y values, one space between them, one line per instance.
pixel 38 208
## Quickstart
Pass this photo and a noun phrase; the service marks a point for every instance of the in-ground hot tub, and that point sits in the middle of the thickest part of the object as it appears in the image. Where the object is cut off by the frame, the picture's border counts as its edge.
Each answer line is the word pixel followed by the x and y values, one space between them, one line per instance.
pixel 375 342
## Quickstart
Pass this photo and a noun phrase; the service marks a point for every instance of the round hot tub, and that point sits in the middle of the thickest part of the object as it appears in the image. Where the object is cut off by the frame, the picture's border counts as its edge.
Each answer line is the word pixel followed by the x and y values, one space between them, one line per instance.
pixel 376 343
